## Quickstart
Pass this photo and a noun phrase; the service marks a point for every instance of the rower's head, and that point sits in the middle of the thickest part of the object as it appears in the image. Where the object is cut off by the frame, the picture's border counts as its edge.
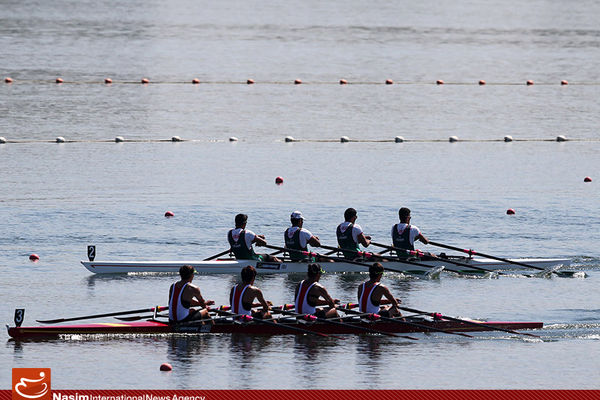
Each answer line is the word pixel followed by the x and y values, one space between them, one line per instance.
pixel 376 271
pixel 248 274
pixel 350 215
pixel 314 271
pixel 404 214
pixel 186 272
pixel 297 219
pixel 240 220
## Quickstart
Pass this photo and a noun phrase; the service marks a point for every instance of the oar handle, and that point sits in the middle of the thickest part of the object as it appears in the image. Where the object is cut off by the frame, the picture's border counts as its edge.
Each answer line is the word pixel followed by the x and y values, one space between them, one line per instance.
pixel 311 254
pixel 218 255
pixel 360 253
pixel 473 252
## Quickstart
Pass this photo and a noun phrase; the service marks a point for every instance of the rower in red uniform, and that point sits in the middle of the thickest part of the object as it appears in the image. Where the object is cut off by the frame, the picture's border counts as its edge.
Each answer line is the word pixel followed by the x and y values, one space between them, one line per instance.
pixel 310 294
pixel 371 292
pixel 183 296
pixel 243 295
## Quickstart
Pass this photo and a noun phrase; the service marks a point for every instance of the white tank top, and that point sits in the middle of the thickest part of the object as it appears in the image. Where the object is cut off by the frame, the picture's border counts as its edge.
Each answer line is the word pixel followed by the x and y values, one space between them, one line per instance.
pixel 365 303
pixel 301 303
pixel 237 306
pixel 177 311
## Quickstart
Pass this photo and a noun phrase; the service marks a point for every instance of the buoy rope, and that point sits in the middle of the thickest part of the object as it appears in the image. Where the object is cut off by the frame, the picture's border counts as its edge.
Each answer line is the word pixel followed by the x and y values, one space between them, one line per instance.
pixel 342 82
pixel 288 140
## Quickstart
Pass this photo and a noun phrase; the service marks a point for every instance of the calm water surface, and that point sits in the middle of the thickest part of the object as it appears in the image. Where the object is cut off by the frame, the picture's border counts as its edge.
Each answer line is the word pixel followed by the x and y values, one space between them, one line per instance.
pixel 58 198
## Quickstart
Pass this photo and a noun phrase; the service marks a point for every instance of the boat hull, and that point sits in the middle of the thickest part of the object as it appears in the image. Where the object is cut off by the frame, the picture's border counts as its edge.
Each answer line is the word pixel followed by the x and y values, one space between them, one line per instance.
pixel 157 328
pixel 231 266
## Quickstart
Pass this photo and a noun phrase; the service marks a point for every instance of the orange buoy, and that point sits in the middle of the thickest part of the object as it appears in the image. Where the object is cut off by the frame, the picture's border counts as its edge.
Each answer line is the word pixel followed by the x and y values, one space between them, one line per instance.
pixel 439 82
pixel 145 80
pixel 108 81
pixel 481 82
pixel 59 80
pixel 169 214
pixel 8 79
pixel 510 211
pixel 297 82
pixel 564 82
pixel 587 179
pixel 279 180
pixel 34 257
pixel 389 81
pixel 529 82
pixel 166 367
pixel 195 81
pixel 250 81
pixel 343 82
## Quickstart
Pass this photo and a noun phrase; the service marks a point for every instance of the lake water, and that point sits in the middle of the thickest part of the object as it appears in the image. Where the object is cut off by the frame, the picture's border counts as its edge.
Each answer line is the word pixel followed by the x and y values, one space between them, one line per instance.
pixel 58 198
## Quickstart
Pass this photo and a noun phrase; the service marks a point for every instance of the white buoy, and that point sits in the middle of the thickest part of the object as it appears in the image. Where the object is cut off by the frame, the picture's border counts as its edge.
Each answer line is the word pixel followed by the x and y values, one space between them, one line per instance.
pixel 453 139
pixel 119 139
pixel 60 139
pixel 399 139
pixel 561 138
pixel 508 138
pixel 233 139
pixel 289 139
pixel 344 139
pixel 2 139
pixel 175 139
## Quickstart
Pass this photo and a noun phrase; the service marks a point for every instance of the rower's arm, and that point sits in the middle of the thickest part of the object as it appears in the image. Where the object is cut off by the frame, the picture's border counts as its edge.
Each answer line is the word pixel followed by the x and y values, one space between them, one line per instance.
pixel 262 301
pixel 259 240
pixel 389 298
pixel 314 241
pixel 197 299
pixel 364 239
pixel 327 298
pixel 422 238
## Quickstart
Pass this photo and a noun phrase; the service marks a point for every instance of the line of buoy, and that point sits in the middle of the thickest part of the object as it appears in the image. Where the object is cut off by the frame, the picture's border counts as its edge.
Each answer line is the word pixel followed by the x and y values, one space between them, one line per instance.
pixel 290 139
pixel 451 139
pixel 297 81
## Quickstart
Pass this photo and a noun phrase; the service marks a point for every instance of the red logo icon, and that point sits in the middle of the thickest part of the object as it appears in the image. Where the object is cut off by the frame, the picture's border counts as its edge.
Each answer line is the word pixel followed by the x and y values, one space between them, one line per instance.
pixel 31 384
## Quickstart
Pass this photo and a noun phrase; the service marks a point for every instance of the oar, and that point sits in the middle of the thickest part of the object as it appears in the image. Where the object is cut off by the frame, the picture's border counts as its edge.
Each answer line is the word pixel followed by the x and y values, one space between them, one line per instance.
pixel 399 321
pixel 506 260
pixel 311 254
pixel 55 321
pixel 345 324
pixel 419 253
pixel 375 255
pixel 140 317
pixel 248 318
pixel 466 321
pixel 217 255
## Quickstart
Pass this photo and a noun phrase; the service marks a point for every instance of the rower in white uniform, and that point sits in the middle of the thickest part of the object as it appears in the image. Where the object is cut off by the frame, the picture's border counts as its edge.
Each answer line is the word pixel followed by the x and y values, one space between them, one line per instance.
pixel 298 238
pixel 241 239
pixel 404 235
pixel 183 296
pixel 242 296
pixel 310 294
pixel 372 295
pixel 350 235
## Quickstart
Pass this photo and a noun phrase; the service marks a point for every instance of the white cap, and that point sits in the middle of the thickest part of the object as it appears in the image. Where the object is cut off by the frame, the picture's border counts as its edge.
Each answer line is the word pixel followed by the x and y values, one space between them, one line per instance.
pixel 296 215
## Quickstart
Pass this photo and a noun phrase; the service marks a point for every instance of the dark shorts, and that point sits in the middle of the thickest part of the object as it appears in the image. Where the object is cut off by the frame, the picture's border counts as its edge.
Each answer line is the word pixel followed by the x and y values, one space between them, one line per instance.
pixel 193 316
